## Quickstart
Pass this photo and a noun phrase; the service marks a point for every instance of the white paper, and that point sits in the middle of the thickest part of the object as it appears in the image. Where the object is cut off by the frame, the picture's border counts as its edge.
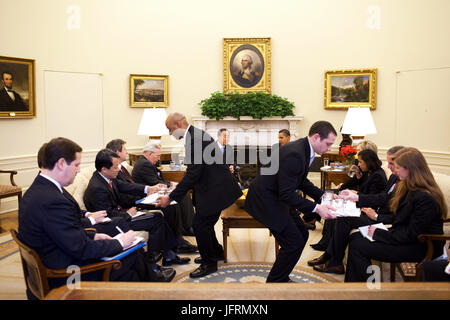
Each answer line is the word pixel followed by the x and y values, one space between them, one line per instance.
pixel 365 230
pixel 135 242
pixel 151 199
pixel 343 208
pixel 106 219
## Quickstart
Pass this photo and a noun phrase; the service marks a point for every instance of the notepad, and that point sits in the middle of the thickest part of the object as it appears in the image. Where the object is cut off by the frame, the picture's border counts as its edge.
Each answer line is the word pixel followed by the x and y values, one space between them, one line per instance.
pixel 365 230
pixel 126 251
pixel 151 199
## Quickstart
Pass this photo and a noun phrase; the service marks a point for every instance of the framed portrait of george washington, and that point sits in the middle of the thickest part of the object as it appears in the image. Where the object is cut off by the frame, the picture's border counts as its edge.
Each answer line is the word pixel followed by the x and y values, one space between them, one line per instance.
pixel 17 88
pixel 246 65
pixel 350 88
pixel 149 91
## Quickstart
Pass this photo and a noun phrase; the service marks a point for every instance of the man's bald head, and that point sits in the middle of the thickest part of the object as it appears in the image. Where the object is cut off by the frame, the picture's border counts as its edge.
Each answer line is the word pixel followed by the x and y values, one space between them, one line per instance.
pixel 177 124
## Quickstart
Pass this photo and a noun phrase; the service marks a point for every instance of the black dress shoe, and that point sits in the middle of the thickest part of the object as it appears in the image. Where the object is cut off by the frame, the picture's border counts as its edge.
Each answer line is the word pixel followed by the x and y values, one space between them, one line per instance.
pixel 163 275
pixel 320 260
pixel 154 257
pixel 310 226
pixel 318 247
pixel 176 260
pixel 186 248
pixel 334 269
pixel 199 260
pixel 203 270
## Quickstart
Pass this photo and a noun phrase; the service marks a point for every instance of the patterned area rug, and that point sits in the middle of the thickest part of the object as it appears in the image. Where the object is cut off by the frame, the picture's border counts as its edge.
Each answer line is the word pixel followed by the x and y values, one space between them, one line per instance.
pixel 253 272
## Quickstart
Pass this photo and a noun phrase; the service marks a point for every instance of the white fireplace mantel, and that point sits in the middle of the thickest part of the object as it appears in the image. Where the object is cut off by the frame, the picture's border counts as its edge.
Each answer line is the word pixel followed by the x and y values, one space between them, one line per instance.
pixel 250 131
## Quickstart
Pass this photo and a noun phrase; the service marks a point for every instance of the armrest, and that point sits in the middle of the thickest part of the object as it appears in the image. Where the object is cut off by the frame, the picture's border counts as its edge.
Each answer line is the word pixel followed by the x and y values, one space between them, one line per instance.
pixel 11 176
pixel 429 239
pixel 104 265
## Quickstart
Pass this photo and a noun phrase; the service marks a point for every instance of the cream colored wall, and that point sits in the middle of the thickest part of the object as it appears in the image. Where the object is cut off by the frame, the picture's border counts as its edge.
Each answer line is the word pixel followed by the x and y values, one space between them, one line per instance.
pixel 183 39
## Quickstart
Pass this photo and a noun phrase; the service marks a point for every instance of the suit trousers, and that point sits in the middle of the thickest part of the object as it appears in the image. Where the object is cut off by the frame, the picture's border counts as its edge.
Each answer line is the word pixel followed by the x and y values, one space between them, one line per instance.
pixel 210 249
pixel 361 251
pixel 341 235
pixel 110 229
pixel 156 232
pixel 292 240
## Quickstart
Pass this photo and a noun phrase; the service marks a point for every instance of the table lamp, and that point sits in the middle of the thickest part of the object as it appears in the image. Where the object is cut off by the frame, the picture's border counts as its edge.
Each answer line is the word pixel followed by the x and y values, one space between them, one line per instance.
pixel 358 123
pixel 153 124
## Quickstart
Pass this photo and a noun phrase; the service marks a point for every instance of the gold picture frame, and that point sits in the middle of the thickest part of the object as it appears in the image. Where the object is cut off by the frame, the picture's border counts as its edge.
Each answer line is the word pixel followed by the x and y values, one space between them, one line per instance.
pixel 256 54
pixel 17 88
pixel 149 91
pixel 350 88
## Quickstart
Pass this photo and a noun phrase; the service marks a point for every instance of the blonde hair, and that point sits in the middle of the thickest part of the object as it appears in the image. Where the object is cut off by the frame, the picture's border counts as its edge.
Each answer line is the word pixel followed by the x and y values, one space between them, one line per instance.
pixel 367 144
pixel 419 178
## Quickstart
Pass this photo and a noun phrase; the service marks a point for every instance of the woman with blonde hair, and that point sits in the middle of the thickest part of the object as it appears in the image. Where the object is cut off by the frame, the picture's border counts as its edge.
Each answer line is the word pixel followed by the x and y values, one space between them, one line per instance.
pixel 418 206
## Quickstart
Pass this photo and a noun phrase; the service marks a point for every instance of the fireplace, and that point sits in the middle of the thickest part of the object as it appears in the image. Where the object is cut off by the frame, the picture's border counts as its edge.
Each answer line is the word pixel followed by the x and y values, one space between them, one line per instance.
pixel 252 140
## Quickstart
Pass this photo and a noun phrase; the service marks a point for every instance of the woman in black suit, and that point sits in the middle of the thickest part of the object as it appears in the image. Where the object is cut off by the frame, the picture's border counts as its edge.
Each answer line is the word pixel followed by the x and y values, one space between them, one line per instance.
pixel 372 180
pixel 419 207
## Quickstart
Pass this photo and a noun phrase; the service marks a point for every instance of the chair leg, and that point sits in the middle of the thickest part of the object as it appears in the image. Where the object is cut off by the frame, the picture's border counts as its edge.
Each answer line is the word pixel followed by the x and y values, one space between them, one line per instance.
pixel 392 270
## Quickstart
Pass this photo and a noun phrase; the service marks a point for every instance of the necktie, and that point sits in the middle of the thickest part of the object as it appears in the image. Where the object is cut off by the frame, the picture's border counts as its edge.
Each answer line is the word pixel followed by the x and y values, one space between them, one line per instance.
pixel 125 172
pixel 110 183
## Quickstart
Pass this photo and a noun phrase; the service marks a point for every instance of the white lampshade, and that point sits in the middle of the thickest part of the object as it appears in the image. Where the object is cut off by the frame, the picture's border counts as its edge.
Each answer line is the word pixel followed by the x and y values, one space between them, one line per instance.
pixel 358 122
pixel 153 123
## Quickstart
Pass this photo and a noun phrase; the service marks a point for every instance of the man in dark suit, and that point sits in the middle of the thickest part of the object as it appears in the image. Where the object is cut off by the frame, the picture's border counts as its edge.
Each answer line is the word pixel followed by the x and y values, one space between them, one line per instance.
pixel 103 193
pixel 49 222
pixel 271 195
pixel 146 173
pixel 179 216
pixel 214 188
pixel 9 99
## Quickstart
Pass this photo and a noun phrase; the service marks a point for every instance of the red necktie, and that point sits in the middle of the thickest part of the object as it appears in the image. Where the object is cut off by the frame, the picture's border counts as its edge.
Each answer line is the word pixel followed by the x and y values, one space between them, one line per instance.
pixel 125 172
pixel 110 184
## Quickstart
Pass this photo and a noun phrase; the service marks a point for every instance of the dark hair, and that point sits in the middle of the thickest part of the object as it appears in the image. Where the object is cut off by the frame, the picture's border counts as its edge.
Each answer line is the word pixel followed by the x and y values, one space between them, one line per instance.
pixel 285 132
pixel 41 155
pixel 104 159
pixel 394 150
pixel 56 149
pixel 220 131
pixel 323 128
pixel 116 145
pixel 371 159
pixel 7 72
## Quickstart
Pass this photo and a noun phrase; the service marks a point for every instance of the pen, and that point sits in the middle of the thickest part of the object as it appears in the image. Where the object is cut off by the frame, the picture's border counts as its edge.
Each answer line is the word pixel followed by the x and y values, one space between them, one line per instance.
pixel 120 230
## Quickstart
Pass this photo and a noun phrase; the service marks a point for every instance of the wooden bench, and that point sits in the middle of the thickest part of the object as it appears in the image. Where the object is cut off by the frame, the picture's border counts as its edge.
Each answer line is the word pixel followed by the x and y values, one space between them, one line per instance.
pixel 235 217
pixel 251 291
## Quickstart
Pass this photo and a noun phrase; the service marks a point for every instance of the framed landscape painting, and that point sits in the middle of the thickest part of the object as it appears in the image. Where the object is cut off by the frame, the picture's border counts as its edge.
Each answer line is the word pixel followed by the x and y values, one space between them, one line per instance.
pixel 246 65
pixel 350 88
pixel 17 88
pixel 149 91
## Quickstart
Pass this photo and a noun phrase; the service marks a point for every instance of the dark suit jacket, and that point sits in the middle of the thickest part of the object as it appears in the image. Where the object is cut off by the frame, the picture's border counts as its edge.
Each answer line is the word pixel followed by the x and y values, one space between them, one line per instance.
pixel 372 183
pixel 50 223
pixel 145 172
pixel 99 195
pixel 127 200
pixel 8 104
pixel 213 185
pixel 417 213
pixel 270 196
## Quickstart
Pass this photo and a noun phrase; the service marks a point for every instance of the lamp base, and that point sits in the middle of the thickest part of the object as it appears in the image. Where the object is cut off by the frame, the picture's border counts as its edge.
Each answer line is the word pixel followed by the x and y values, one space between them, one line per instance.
pixel 357 140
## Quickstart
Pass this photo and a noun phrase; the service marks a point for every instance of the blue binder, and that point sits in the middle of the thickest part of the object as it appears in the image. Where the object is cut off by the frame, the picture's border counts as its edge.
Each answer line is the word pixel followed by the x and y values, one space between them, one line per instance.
pixel 125 252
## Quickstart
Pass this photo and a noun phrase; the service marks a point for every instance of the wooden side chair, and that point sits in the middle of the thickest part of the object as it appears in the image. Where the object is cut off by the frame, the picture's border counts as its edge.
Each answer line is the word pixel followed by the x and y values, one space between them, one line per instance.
pixel 36 275
pixel 12 190
pixel 412 271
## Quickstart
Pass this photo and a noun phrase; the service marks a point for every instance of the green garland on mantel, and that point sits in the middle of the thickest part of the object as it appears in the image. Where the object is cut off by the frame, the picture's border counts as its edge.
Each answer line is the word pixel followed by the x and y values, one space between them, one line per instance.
pixel 254 104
